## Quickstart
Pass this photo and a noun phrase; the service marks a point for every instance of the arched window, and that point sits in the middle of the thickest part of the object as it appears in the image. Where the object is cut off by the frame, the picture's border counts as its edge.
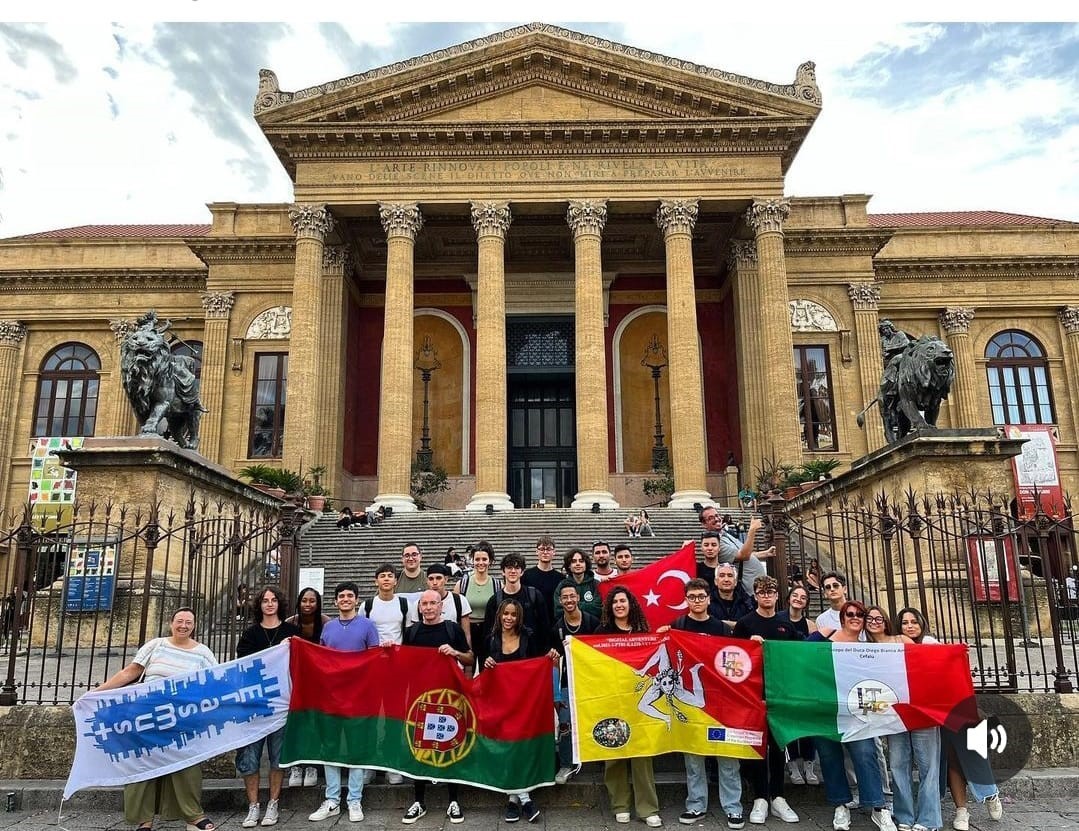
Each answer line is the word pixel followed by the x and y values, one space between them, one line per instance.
pixel 1018 380
pixel 192 348
pixel 67 392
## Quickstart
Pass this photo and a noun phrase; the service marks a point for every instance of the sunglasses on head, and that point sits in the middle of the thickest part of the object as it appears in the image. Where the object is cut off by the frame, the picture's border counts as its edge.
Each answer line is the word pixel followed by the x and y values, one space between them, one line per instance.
pixel 853 614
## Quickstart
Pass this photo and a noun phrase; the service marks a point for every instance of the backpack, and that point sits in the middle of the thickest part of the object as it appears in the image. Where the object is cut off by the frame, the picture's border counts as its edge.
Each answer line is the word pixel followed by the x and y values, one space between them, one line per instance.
pixel 456 604
pixel 408 637
pixel 369 604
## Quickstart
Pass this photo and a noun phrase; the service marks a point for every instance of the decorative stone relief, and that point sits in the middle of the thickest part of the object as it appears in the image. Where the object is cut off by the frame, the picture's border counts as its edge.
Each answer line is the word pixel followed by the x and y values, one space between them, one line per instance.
pixel 491 218
pixel 272 324
pixel 1069 319
pixel 337 258
pixel 742 253
pixel 311 221
pixel 11 332
pixel 807 316
pixel 218 304
pixel 768 215
pixel 956 320
pixel 864 296
pixel 805 83
pixel 121 328
pixel 587 216
pixel 677 215
pixel 400 219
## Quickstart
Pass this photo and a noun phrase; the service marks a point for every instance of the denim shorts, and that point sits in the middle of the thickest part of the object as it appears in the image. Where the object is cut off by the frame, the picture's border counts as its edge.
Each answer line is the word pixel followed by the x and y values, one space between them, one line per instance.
pixel 249 758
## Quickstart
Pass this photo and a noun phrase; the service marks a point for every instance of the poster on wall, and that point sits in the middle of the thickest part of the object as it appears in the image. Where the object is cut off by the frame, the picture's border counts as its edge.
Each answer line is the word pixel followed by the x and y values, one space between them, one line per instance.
pixel 90 577
pixel 51 484
pixel 984 556
pixel 1037 474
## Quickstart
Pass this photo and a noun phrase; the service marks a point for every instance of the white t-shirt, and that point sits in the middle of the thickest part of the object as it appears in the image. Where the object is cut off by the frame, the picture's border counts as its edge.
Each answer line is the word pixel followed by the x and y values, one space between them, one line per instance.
pixel 386 615
pixel 449 607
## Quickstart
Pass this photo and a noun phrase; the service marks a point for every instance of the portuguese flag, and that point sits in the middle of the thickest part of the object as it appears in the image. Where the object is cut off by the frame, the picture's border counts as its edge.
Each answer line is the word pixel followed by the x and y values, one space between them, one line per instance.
pixel 642 695
pixel 849 691
pixel 411 710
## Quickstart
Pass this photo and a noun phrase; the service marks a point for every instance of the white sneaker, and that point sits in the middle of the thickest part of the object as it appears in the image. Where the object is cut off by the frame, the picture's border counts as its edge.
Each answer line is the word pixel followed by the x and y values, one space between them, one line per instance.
pixel 811 774
pixel 622 817
pixel 252 818
pixel 962 820
pixel 565 774
pixel 841 818
pixel 995 806
pixel 414 812
pixel 883 820
pixel 654 821
pixel 394 778
pixel 759 814
pixel 796 773
pixel 904 827
pixel 271 813
pixel 310 777
pixel 327 809
pixel 355 811
pixel 454 813
pixel 781 809
pixel 295 777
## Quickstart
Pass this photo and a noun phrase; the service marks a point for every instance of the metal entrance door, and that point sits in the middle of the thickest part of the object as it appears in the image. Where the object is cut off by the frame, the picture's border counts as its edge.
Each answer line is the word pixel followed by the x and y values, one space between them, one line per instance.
pixel 543 441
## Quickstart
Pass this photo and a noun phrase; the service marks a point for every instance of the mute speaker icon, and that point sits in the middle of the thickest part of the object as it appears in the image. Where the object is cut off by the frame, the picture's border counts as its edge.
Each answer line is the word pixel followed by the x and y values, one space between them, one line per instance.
pixel 982 738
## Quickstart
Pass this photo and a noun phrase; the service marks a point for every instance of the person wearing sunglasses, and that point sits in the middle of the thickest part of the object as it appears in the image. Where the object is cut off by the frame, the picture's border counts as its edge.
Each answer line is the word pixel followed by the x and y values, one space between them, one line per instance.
pixel 834 586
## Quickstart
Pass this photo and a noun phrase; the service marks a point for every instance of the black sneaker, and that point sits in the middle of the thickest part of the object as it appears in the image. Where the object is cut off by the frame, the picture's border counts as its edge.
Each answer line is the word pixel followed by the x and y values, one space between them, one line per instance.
pixel 454 813
pixel 735 821
pixel 414 812
pixel 691 817
pixel 513 812
pixel 530 811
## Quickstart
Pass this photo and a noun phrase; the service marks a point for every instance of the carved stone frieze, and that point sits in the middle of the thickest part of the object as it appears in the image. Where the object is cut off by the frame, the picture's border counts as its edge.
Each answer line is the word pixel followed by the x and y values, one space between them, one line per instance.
pixel 955 320
pixel 272 324
pixel 218 304
pixel 864 296
pixel 1069 319
pixel 677 215
pixel 768 215
pixel 311 221
pixel 400 219
pixel 491 218
pixel 587 216
pixel 742 254
pixel 807 316
pixel 11 332
pixel 122 327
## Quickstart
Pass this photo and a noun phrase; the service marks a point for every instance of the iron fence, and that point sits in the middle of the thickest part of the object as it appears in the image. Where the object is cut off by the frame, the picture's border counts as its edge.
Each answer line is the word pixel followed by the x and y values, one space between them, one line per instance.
pixel 1003 584
pixel 85 586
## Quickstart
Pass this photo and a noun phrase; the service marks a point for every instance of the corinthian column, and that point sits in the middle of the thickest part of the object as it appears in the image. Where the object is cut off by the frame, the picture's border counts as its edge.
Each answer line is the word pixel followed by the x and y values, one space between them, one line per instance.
pixel 865 297
pixel 12 334
pixel 752 401
pixel 586 219
pixel 217 307
pixel 1069 320
pixel 402 222
pixel 329 450
pixel 491 221
pixel 311 223
pixel 676 219
pixel 766 218
pixel 956 324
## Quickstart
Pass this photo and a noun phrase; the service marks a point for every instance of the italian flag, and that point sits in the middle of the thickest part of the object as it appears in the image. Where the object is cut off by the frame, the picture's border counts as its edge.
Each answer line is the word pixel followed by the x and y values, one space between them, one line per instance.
pixel 412 710
pixel 849 691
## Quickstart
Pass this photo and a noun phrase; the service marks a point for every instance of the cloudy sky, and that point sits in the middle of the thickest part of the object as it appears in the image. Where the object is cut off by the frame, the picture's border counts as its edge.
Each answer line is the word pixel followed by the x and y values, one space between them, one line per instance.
pixel 146 122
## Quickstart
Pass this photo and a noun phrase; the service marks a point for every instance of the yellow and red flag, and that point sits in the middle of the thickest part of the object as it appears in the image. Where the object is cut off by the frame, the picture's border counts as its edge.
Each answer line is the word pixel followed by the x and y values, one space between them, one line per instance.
pixel 646 694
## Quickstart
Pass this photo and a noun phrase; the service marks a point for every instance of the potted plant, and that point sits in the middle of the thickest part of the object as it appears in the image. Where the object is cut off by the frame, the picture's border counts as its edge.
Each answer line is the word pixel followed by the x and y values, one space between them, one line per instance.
pixel 313 490
pixel 662 486
pixel 820 469
pixel 425 484
pixel 259 476
pixel 772 475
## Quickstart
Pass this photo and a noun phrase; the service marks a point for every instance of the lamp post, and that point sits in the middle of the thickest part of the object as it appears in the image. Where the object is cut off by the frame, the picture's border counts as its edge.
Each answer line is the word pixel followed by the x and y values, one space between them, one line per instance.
pixel 426 362
pixel 655 358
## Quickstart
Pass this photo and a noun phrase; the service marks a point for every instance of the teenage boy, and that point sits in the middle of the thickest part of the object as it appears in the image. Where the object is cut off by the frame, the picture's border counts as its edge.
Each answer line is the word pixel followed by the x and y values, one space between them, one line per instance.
pixel 573 621
pixel 623 558
pixel 706 566
pixel 411 579
pixel 536 615
pixel 349 633
pixel 544 577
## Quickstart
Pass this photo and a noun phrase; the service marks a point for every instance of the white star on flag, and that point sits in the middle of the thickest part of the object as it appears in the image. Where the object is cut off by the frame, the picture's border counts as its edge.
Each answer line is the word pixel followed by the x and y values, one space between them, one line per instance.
pixel 651 599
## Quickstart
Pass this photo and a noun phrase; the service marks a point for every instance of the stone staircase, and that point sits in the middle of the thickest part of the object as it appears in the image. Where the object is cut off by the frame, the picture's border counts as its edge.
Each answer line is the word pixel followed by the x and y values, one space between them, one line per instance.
pixel 354 554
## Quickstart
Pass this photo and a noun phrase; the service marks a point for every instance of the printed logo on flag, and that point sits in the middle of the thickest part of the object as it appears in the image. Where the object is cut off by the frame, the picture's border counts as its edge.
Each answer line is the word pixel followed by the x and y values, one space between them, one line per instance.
pixel 441 727
pixel 611 733
pixel 869 698
pixel 734 664
pixel 752 738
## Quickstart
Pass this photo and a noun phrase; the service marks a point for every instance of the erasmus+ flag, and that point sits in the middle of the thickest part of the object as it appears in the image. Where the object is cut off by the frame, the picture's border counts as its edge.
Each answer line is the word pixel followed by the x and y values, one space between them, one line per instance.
pixel 159 727
pixel 849 691
pixel 642 695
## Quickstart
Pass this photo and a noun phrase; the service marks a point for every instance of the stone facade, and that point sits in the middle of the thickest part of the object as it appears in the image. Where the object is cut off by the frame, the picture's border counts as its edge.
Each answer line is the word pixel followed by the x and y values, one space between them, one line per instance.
pixel 539 205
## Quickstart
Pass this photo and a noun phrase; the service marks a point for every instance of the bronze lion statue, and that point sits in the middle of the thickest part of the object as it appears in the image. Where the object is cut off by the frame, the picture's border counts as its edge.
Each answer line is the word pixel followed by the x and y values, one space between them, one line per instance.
pixel 914 383
pixel 162 387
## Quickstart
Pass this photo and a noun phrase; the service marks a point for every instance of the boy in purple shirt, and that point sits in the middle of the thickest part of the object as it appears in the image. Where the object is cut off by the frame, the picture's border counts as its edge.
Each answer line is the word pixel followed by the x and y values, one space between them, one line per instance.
pixel 349 633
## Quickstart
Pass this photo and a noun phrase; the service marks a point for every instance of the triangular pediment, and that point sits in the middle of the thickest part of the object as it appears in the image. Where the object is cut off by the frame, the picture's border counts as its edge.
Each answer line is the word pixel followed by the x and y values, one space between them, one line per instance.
pixel 536 103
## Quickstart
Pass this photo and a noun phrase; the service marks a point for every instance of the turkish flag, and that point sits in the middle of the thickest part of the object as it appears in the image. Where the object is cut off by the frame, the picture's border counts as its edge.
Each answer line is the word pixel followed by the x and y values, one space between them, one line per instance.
pixel 661 587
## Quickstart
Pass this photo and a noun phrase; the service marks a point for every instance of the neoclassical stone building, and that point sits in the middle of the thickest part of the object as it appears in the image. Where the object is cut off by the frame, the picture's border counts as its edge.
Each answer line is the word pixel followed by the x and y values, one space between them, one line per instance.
pixel 538 255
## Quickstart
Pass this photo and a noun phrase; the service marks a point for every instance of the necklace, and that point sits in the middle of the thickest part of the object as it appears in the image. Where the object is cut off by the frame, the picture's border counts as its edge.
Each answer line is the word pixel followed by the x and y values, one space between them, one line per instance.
pixel 271 634
pixel 573 630
pixel 345 623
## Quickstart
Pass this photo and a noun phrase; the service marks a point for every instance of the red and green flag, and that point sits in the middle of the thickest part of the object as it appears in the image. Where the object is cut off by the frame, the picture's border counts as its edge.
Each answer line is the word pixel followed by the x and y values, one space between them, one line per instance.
pixel 849 691
pixel 412 710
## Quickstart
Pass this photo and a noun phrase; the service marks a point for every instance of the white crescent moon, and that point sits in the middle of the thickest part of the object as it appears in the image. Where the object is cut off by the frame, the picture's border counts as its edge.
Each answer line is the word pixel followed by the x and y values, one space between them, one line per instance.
pixel 682 577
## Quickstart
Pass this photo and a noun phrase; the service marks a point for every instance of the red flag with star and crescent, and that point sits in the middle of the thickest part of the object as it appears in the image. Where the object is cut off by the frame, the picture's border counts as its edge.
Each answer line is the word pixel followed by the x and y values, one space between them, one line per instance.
pixel 661 587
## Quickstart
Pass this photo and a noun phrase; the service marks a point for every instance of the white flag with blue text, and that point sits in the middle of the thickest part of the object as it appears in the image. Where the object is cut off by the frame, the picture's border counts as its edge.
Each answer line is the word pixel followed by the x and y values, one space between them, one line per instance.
pixel 159 727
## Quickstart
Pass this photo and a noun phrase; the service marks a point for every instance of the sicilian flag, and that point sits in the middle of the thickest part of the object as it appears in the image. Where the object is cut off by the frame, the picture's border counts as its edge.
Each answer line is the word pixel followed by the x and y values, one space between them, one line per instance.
pixel 850 691
pixel 661 587
pixel 642 695
pixel 411 710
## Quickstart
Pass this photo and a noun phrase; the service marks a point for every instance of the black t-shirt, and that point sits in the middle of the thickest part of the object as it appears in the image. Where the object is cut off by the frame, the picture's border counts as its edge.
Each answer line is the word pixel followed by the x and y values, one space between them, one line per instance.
pixel 710 626
pixel 589 624
pixel 546 583
pixel 437 634
pixel 708 574
pixel 801 626
pixel 258 637
pixel 770 628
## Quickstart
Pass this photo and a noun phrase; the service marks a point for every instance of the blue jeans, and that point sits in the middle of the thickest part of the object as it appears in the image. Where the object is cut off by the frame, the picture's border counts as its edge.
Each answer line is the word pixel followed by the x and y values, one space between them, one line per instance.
pixel 730 784
pixel 333 783
pixel 905 750
pixel 863 755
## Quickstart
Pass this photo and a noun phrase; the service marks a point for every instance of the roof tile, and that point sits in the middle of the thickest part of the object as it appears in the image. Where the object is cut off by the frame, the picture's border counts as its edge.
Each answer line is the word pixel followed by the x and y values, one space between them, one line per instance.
pixel 114 231
pixel 945 219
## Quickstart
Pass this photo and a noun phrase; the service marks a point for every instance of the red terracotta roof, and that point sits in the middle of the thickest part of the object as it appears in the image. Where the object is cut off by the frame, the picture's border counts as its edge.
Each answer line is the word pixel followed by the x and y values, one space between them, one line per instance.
pixel 112 231
pixel 942 219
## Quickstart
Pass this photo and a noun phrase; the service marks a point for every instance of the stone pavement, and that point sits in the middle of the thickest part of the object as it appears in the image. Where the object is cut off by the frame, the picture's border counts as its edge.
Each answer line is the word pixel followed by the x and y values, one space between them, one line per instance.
pixel 1040 800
